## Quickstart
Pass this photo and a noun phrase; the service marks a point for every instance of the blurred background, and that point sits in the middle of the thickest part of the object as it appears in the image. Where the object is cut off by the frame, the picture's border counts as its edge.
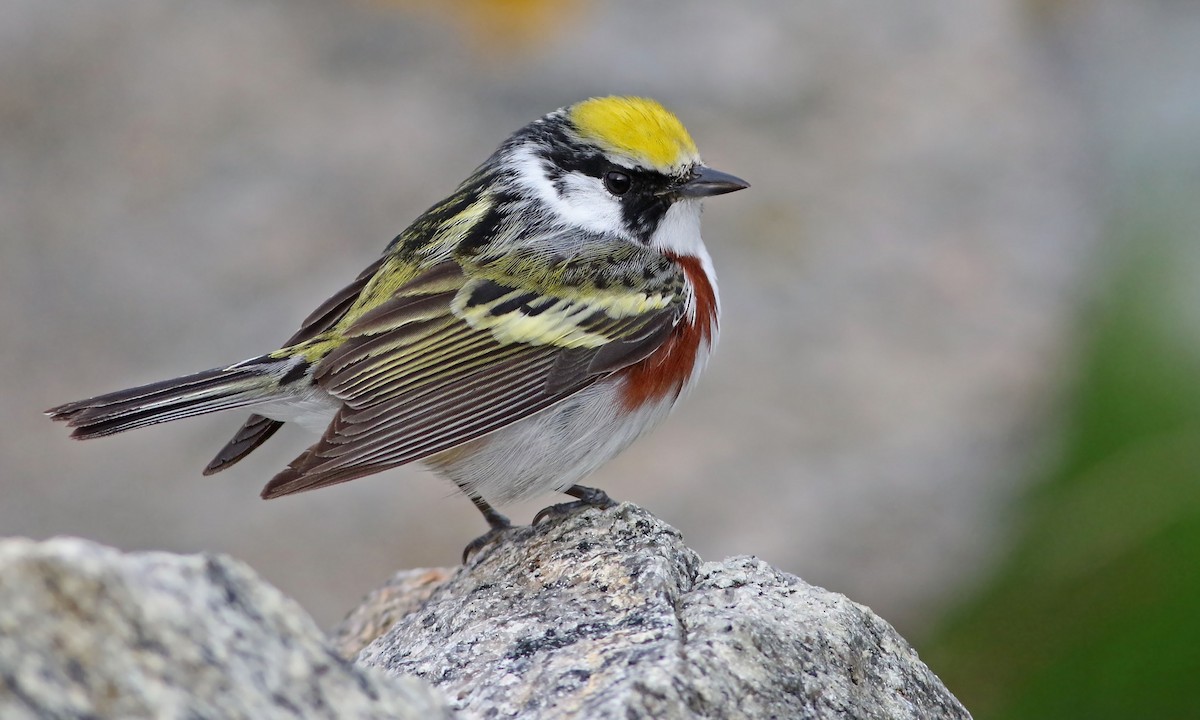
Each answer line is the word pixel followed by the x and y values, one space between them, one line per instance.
pixel 957 378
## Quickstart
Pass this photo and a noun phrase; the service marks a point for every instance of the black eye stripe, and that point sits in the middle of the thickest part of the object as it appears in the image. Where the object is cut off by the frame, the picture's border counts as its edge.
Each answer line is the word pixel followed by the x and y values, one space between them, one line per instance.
pixel 563 160
pixel 567 161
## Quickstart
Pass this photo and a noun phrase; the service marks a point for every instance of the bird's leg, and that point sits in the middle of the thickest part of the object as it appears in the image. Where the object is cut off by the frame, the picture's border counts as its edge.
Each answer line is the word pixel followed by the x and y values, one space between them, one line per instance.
pixel 496 522
pixel 588 497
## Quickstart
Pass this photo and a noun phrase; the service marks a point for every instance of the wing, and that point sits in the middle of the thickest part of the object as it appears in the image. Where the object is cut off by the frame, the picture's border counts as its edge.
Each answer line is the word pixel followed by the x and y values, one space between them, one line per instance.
pixel 258 429
pixel 477 343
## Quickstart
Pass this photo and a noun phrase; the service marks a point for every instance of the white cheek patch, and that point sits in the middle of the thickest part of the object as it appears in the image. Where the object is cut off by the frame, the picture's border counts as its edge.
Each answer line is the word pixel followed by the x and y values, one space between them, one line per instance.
pixel 588 204
pixel 578 199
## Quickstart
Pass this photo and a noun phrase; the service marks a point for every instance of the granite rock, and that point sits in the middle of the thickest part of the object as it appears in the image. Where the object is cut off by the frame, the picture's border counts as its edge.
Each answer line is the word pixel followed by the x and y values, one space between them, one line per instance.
pixel 90 632
pixel 607 614
pixel 592 614
pixel 405 593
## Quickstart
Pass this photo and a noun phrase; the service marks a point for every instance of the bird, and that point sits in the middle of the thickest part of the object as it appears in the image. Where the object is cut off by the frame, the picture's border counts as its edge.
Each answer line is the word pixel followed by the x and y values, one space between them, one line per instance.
pixel 515 337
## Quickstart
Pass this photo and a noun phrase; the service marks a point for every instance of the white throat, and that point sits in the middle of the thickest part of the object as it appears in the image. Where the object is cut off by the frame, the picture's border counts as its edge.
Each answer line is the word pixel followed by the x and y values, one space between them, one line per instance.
pixel 679 231
pixel 679 235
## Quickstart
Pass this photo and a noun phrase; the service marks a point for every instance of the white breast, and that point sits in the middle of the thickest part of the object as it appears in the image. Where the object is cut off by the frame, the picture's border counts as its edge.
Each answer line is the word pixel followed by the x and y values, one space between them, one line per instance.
pixel 551 450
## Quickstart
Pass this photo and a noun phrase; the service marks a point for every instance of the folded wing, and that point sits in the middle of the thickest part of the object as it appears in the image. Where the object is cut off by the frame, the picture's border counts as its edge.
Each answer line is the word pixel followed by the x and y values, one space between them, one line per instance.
pixel 475 344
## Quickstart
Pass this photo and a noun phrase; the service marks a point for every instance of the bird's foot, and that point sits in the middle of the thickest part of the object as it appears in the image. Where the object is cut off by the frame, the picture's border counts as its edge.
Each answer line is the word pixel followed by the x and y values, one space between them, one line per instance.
pixel 491 536
pixel 499 525
pixel 588 497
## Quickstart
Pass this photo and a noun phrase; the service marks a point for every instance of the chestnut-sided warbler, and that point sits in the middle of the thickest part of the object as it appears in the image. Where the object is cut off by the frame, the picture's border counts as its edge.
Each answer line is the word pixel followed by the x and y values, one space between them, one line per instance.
pixel 518 335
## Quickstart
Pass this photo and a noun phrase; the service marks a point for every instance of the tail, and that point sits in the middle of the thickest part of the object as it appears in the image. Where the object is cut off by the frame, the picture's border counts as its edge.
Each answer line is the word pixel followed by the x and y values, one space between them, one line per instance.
pixel 246 383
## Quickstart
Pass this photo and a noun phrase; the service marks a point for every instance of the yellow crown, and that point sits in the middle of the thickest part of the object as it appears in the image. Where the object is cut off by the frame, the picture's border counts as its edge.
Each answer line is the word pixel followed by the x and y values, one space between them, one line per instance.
pixel 638 128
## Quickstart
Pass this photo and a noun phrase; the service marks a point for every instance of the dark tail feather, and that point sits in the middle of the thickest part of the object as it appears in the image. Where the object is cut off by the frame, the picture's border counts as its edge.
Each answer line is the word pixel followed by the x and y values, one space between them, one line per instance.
pixel 255 432
pixel 243 384
pixel 298 477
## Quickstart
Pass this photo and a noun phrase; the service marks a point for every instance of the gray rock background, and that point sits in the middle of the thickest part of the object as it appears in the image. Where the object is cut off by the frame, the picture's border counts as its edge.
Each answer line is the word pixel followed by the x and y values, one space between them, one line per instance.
pixel 89 632
pixel 182 182
pixel 607 614
pixel 597 614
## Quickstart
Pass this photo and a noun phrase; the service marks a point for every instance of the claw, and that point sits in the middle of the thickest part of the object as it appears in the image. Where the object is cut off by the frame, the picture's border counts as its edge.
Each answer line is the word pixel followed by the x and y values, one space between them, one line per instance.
pixel 588 497
pixel 491 536
pixel 497 522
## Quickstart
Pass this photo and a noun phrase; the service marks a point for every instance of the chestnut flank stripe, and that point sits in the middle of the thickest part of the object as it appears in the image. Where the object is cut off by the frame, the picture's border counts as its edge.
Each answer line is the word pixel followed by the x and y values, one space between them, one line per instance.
pixel 666 371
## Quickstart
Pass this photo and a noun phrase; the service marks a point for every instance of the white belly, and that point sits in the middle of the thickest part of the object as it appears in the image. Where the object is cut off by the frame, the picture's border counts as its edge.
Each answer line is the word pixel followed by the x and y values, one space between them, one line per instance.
pixel 552 450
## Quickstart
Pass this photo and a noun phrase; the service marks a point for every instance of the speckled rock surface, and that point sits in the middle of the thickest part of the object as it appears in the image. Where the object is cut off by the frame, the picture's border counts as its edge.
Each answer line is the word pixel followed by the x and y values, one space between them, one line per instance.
pixel 89 632
pixel 607 614
pixel 382 608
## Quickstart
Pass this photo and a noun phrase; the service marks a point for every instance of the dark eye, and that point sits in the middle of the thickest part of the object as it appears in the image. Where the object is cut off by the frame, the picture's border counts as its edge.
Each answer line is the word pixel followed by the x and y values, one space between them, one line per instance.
pixel 617 182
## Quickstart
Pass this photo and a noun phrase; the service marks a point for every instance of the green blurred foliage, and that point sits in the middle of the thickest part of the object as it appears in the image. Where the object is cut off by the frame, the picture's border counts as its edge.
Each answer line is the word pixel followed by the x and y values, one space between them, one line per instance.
pixel 1096 612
